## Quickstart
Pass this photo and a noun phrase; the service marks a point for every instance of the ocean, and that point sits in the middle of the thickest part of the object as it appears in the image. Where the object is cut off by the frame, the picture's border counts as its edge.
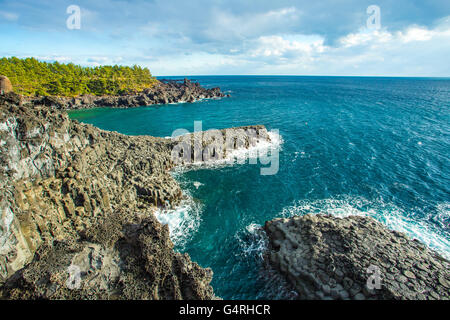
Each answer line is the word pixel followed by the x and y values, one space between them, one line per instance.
pixel 347 146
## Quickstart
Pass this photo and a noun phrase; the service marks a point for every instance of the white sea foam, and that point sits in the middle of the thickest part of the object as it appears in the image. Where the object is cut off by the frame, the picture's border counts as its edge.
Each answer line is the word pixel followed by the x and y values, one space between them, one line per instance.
pixel 178 102
pixel 241 155
pixel 389 214
pixel 253 244
pixel 252 240
pixel 261 147
pixel 183 221
pixel 197 184
pixel 442 216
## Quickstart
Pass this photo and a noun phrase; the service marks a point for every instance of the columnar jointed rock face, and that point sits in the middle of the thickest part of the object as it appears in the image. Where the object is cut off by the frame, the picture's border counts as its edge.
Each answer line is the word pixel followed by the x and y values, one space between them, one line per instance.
pixel 141 264
pixel 325 257
pixel 69 189
pixel 75 199
pixel 161 93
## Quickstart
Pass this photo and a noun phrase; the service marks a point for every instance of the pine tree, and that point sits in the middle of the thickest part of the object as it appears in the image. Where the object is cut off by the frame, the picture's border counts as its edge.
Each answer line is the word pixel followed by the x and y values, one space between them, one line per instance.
pixel 32 77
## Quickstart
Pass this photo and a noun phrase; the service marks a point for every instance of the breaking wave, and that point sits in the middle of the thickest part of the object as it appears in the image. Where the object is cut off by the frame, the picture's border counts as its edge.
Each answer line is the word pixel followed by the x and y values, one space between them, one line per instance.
pixel 416 225
pixel 183 221
pixel 252 241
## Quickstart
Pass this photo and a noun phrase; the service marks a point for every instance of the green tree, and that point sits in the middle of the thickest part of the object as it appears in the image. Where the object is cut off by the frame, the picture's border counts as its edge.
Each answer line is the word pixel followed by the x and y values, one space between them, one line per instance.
pixel 30 76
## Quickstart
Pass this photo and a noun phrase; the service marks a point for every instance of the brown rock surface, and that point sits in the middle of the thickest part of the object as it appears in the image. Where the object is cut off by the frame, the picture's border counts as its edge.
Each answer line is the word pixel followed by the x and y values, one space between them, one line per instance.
pixel 5 85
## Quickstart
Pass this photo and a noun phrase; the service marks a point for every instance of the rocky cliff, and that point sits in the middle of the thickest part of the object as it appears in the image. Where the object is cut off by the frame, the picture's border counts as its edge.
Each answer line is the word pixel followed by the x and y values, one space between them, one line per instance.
pixel 325 257
pixel 76 211
pixel 161 93
pixel 77 222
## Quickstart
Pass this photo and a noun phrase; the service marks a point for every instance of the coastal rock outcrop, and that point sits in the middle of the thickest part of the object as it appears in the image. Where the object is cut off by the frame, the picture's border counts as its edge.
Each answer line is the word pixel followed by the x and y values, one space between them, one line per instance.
pixel 162 92
pixel 77 211
pixel 324 257
pixel 140 265
pixel 216 145
pixel 5 85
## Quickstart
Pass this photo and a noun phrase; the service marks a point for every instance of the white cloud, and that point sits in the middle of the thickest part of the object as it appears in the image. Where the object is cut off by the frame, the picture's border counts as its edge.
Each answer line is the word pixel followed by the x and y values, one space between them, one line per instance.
pixel 410 34
pixel 277 46
pixel 415 33
pixel 365 37
pixel 413 51
pixel 51 58
pixel 214 38
pixel 226 26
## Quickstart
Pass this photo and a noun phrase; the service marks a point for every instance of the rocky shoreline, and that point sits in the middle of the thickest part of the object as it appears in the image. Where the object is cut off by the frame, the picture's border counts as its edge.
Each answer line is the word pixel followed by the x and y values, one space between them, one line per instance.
pixel 163 92
pixel 77 211
pixel 324 257
pixel 77 222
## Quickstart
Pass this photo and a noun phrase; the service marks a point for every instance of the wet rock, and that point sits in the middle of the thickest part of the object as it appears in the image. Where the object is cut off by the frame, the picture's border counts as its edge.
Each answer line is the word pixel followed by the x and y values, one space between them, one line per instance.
pixel 356 251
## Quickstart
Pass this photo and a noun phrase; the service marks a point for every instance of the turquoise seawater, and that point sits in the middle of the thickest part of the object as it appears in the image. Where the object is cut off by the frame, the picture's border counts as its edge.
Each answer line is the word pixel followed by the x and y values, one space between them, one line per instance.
pixel 373 146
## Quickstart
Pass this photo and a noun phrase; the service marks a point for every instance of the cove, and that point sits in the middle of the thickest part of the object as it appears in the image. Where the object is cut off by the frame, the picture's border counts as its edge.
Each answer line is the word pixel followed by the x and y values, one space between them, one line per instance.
pixel 351 146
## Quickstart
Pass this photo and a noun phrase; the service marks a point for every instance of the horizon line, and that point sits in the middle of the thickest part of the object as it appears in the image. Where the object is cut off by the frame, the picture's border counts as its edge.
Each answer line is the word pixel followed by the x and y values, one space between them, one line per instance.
pixel 225 75
pixel 297 75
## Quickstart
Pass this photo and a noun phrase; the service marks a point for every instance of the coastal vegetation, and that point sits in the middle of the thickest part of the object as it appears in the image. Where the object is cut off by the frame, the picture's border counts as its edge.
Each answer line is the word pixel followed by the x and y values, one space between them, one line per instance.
pixel 30 77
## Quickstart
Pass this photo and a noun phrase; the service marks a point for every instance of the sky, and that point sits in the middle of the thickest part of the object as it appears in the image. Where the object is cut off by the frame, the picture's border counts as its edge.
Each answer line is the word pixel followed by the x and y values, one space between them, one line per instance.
pixel 236 37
